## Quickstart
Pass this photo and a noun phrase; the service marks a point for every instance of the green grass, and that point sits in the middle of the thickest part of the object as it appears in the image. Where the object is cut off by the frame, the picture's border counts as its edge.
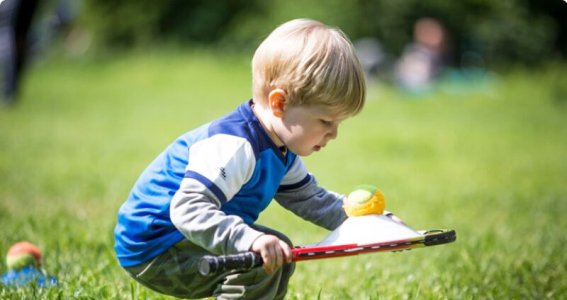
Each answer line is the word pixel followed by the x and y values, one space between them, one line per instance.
pixel 489 161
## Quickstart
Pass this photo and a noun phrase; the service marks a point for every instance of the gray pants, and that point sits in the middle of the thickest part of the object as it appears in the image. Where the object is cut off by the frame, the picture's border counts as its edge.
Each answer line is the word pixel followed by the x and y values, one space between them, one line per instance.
pixel 175 272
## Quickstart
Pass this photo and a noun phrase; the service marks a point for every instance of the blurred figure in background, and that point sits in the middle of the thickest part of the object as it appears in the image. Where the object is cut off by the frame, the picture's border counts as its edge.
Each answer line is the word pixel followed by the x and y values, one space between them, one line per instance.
pixel 15 22
pixel 422 60
pixel 57 26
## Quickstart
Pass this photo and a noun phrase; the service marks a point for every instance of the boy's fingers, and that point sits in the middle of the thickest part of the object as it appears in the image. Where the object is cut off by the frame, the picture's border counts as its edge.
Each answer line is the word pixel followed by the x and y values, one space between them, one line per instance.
pixel 286 250
pixel 279 257
pixel 267 264
pixel 273 260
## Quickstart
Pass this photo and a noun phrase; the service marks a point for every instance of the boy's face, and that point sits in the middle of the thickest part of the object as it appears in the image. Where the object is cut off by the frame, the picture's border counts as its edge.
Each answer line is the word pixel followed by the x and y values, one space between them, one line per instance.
pixel 306 129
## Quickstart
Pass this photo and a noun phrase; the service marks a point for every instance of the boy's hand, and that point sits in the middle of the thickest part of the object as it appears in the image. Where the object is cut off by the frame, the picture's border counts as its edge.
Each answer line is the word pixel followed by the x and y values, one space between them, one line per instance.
pixel 274 252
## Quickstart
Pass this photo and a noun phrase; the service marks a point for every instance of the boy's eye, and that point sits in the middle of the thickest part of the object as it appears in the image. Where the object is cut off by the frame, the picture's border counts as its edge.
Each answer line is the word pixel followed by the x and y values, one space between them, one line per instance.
pixel 325 122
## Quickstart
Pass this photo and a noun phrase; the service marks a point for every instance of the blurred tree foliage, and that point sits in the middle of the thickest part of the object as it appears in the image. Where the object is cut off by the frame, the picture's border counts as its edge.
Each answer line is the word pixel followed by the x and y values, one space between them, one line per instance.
pixel 504 31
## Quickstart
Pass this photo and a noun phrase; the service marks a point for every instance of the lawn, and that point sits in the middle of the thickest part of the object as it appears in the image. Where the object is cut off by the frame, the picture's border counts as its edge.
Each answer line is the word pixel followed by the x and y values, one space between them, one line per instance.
pixel 488 159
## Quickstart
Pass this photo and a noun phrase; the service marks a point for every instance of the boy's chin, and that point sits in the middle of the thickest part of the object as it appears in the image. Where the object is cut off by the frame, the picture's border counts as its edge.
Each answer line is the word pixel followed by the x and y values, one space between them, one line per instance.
pixel 306 152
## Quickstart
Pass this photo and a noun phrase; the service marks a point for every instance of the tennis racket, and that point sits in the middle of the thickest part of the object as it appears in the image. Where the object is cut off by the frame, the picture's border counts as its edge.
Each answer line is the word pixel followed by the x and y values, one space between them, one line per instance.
pixel 209 265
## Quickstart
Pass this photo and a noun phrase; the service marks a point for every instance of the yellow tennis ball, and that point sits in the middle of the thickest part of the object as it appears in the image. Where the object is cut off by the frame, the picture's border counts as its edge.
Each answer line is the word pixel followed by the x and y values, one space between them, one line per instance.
pixel 364 200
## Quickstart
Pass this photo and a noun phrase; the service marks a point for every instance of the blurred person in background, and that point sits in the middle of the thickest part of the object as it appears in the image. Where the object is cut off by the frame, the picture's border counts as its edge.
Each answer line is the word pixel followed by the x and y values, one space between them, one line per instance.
pixel 15 22
pixel 423 59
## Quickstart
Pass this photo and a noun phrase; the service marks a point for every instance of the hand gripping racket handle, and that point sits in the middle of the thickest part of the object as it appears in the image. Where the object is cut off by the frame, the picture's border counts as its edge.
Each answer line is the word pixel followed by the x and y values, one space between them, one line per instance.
pixel 218 264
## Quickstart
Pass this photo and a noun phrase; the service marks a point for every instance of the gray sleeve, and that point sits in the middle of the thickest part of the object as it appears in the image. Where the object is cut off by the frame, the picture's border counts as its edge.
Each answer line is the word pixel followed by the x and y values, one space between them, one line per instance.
pixel 315 204
pixel 195 212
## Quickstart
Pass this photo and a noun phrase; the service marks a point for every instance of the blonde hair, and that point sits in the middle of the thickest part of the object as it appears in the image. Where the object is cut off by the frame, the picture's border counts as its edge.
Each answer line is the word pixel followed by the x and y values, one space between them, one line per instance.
pixel 315 65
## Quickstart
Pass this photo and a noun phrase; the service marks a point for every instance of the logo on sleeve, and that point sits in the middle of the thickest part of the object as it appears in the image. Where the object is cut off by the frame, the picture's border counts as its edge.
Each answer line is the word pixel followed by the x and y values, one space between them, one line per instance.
pixel 222 172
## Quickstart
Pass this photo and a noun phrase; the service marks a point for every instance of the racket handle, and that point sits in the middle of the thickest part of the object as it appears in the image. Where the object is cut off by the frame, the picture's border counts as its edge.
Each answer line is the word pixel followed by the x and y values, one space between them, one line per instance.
pixel 209 265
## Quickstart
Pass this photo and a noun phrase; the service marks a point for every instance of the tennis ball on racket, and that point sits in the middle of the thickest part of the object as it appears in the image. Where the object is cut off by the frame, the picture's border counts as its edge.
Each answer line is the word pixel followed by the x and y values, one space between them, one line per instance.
pixel 364 200
pixel 23 254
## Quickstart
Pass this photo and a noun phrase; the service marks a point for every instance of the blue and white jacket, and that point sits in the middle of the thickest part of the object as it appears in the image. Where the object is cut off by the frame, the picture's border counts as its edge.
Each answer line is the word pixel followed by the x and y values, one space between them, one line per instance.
pixel 212 182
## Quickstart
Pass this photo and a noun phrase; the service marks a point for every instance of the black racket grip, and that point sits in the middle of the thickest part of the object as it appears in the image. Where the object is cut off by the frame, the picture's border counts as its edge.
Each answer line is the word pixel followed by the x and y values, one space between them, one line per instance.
pixel 243 261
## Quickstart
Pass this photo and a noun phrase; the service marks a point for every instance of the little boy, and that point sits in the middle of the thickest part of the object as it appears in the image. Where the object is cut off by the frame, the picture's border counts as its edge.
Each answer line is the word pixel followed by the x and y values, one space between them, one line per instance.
pixel 202 195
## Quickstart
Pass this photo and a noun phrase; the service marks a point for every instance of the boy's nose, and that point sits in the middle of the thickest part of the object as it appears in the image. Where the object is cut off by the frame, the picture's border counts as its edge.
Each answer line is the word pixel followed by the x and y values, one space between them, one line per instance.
pixel 333 133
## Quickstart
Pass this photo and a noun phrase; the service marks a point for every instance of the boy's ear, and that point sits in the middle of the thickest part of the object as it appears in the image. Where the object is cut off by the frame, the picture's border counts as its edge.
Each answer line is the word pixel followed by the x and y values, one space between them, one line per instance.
pixel 277 100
